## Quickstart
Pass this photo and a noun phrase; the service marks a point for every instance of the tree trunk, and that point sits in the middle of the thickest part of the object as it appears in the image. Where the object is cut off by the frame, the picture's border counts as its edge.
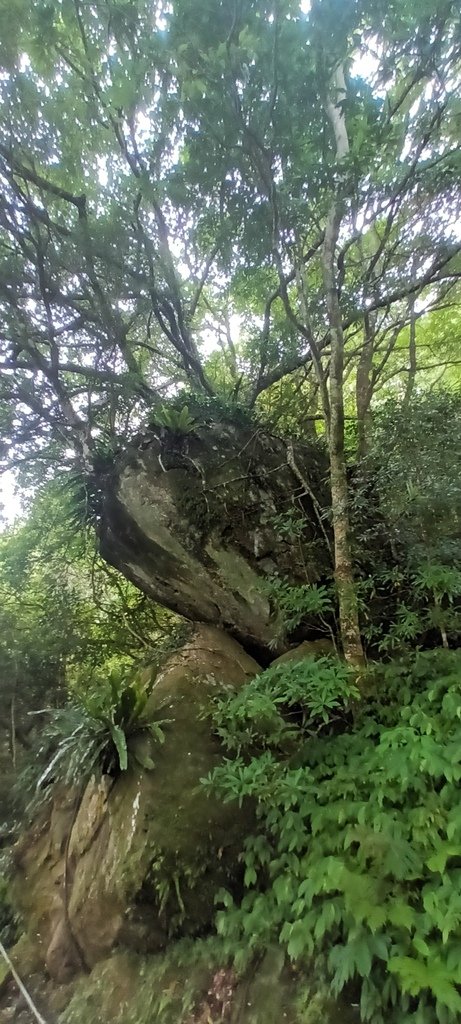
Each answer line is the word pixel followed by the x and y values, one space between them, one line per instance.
pixel 344 572
pixel 363 390
pixel 412 363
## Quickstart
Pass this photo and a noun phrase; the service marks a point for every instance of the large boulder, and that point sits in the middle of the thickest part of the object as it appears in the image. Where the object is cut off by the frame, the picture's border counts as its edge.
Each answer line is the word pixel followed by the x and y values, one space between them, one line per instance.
pixel 137 859
pixel 195 522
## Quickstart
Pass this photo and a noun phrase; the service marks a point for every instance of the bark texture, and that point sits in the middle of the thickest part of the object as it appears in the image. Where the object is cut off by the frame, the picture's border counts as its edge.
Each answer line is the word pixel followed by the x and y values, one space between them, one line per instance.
pixel 364 387
pixel 344 573
pixel 193 521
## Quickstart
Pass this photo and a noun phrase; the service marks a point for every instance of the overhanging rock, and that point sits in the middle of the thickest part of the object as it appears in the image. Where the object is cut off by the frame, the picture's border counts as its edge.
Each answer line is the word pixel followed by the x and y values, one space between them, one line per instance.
pixel 199 523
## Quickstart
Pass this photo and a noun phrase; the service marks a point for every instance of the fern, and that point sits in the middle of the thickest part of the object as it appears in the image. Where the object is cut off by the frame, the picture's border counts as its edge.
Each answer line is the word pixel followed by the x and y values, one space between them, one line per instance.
pixel 179 421
pixel 93 732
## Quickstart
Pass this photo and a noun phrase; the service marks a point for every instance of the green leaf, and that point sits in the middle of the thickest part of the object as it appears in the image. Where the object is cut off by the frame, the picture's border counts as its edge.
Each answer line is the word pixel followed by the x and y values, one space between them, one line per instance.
pixel 445 993
pixel 144 761
pixel 283 888
pixel 401 915
pixel 438 860
pixel 414 974
pixel 421 945
pixel 363 957
pixel 300 942
pixel 119 739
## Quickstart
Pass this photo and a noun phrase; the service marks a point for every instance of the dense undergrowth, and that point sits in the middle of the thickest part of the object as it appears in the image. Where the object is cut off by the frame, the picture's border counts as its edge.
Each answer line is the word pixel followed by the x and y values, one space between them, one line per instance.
pixel 356 864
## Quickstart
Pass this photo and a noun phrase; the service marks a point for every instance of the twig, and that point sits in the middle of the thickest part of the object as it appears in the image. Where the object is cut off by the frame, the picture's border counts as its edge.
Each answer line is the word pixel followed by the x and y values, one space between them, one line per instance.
pixel 22 987
pixel 308 490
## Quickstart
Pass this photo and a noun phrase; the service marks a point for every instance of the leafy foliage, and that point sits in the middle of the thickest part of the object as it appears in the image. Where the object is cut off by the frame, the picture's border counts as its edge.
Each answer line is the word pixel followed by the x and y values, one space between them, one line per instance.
pixel 179 421
pixel 298 603
pixel 166 180
pixel 414 464
pixel 285 704
pixel 356 863
pixel 170 183
pixel 65 618
pixel 93 732
pixel 405 513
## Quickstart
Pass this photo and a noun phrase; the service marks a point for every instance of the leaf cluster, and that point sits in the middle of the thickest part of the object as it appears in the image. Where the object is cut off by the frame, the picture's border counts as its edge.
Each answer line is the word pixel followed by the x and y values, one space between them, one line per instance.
pixel 179 421
pixel 286 704
pixel 93 733
pixel 296 603
pixel 424 604
pixel 413 503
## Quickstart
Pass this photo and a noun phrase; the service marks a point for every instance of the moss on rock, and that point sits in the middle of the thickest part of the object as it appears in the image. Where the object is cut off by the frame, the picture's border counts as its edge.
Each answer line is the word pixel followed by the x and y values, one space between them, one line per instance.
pixel 188 984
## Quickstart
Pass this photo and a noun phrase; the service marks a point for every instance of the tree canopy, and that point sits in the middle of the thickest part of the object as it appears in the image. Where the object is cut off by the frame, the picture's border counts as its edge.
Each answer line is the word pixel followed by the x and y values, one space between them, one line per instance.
pixel 167 175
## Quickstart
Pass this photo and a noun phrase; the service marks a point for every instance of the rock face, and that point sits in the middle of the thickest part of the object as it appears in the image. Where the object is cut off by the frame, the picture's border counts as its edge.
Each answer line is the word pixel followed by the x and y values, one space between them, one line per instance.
pixel 192 521
pixel 321 648
pixel 136 860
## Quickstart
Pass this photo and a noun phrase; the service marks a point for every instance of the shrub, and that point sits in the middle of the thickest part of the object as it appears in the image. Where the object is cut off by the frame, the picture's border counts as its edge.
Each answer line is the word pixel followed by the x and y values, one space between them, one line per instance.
pixel 357 862
pixel 296 603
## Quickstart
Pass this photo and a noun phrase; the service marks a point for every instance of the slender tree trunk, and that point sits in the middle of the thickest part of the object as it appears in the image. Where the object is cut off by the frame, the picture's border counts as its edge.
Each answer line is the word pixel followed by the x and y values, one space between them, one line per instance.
pixel 363 389
pixel 344 572
pixel 412 364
